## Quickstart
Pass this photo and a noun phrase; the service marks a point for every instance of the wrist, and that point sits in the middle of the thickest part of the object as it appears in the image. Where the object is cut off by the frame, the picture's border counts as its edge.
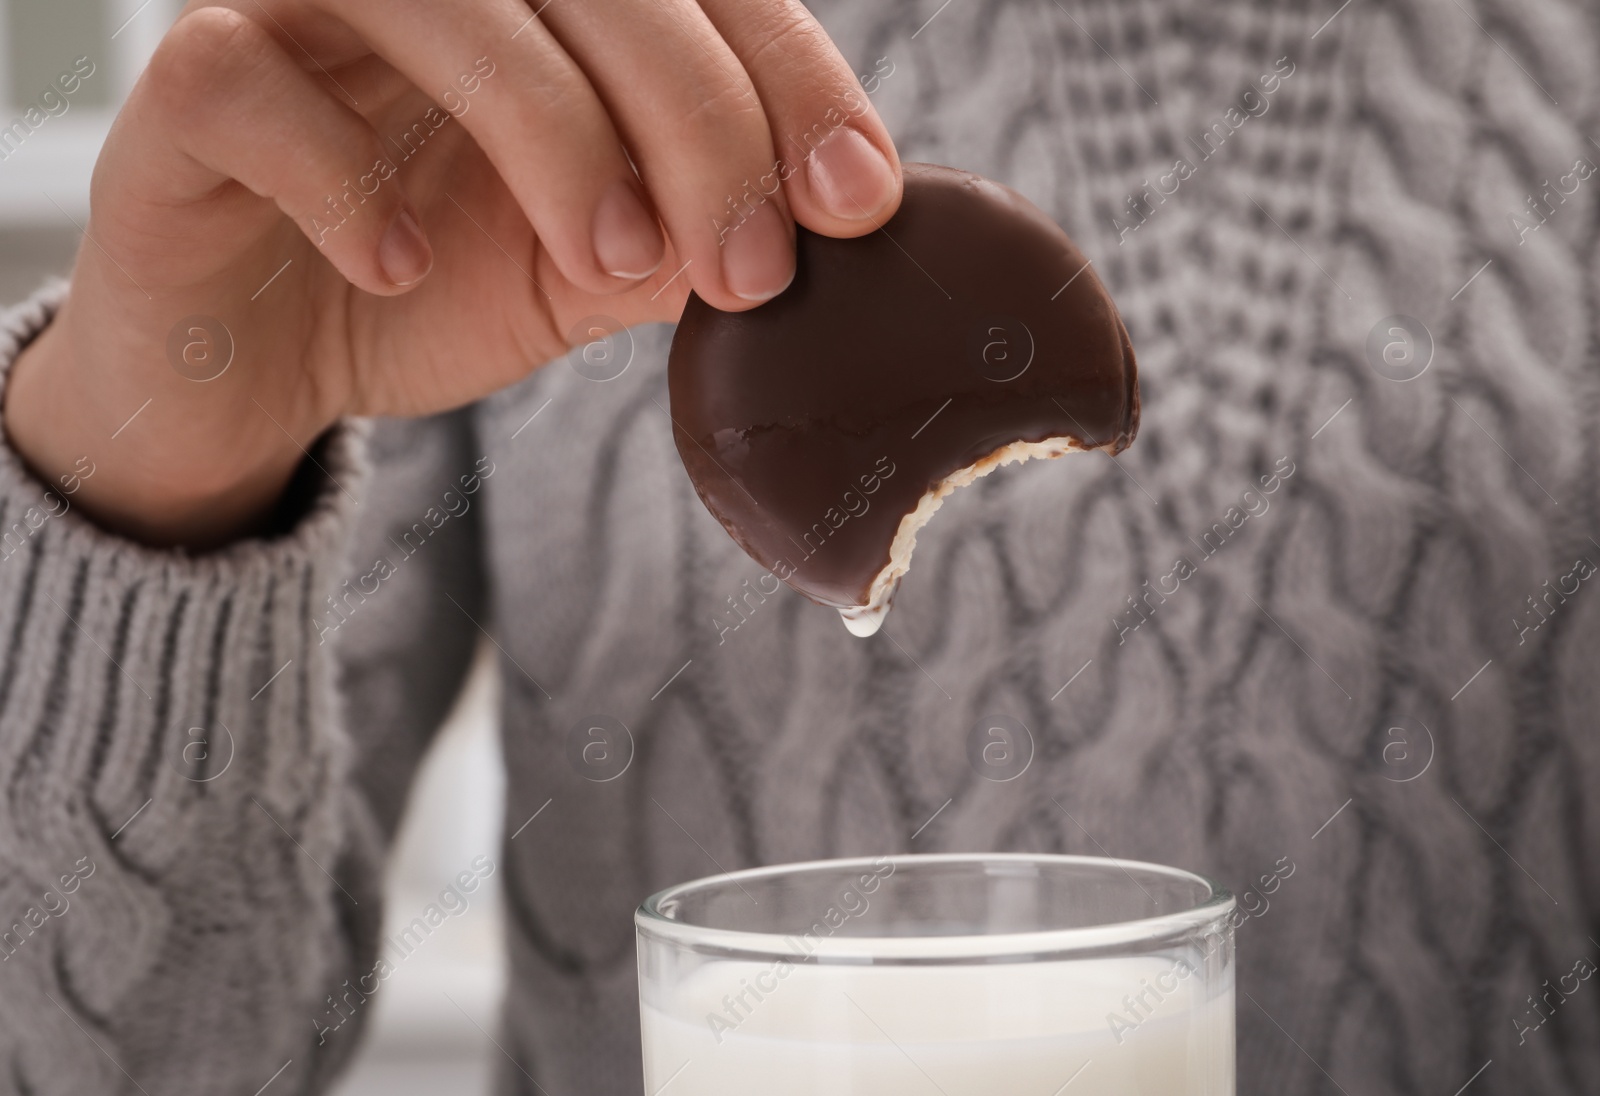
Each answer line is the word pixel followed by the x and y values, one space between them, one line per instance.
pixel 180 477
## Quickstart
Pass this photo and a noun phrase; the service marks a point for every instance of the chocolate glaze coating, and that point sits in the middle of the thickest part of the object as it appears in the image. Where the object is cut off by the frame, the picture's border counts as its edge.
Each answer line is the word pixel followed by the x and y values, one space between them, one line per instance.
pixel 812 424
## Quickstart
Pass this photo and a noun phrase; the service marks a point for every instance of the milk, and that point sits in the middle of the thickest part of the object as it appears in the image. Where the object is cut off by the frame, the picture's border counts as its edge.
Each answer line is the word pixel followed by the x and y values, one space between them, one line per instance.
pixel 1128 1026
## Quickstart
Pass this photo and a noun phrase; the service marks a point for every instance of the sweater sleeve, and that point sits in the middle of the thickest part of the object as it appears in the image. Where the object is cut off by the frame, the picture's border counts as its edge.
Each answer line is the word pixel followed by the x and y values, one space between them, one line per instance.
pixel 170 763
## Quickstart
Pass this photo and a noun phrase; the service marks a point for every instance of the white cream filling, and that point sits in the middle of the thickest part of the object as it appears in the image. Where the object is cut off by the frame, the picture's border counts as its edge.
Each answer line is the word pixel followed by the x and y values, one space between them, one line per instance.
pixel 864 620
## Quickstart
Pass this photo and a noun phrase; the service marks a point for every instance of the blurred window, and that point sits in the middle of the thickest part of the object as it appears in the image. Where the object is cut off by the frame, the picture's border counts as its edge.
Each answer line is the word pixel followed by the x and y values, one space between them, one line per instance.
pixel 53 119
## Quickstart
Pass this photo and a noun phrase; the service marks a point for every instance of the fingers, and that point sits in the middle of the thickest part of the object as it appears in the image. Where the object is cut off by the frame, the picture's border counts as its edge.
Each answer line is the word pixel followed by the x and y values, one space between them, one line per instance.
pixel 846 178
pixel 692 119
pixel 735 115
pixel 225 102
pixel 539 121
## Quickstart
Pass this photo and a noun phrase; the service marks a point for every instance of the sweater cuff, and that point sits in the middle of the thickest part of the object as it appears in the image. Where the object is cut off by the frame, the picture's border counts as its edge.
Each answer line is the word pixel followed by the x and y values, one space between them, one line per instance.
pixel 167 717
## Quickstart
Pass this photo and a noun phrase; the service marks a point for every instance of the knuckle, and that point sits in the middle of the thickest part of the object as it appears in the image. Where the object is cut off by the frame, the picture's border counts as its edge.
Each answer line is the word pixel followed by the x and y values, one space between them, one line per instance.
pixel 789 30
pixel 562 103
pixel 719 113
pixel 554 106
pixel 201 54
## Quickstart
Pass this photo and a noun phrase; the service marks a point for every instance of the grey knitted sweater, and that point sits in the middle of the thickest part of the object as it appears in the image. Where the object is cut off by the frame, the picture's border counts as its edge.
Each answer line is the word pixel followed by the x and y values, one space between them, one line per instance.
pixel 1381 671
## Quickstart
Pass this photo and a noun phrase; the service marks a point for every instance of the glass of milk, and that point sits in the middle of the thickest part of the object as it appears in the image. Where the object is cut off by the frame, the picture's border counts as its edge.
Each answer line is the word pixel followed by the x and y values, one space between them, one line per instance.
pixel 983 974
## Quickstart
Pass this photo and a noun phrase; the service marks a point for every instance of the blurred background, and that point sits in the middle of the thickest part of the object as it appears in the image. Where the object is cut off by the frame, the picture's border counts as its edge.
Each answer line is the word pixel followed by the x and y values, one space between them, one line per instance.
pixel 430 1028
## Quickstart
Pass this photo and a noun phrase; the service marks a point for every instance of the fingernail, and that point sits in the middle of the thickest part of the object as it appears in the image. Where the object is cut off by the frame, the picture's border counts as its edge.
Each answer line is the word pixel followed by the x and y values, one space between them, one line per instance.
pixel 627 240
pixel 758 256
pixel 849 176
pixel 403 253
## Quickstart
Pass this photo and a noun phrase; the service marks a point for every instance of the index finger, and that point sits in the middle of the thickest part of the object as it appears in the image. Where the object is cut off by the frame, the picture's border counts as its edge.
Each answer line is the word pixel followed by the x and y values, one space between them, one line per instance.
pixel 840 169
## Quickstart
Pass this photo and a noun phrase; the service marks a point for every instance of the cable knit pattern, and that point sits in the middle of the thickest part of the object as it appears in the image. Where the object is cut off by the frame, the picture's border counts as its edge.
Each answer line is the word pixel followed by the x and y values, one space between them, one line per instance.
pixel 1256 703
pixel 1441 884
pixel 165 809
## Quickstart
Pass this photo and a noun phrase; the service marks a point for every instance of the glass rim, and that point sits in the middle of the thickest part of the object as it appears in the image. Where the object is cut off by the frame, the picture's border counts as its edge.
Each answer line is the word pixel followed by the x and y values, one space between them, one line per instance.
pixel 1060 943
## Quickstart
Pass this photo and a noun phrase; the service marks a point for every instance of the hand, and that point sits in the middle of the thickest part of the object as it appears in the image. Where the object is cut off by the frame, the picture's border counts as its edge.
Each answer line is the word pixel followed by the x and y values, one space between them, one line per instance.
pixel 397 208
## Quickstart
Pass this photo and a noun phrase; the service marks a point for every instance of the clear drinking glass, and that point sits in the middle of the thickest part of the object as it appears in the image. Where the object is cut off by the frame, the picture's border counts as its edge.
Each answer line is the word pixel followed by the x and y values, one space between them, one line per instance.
pixel 953 975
